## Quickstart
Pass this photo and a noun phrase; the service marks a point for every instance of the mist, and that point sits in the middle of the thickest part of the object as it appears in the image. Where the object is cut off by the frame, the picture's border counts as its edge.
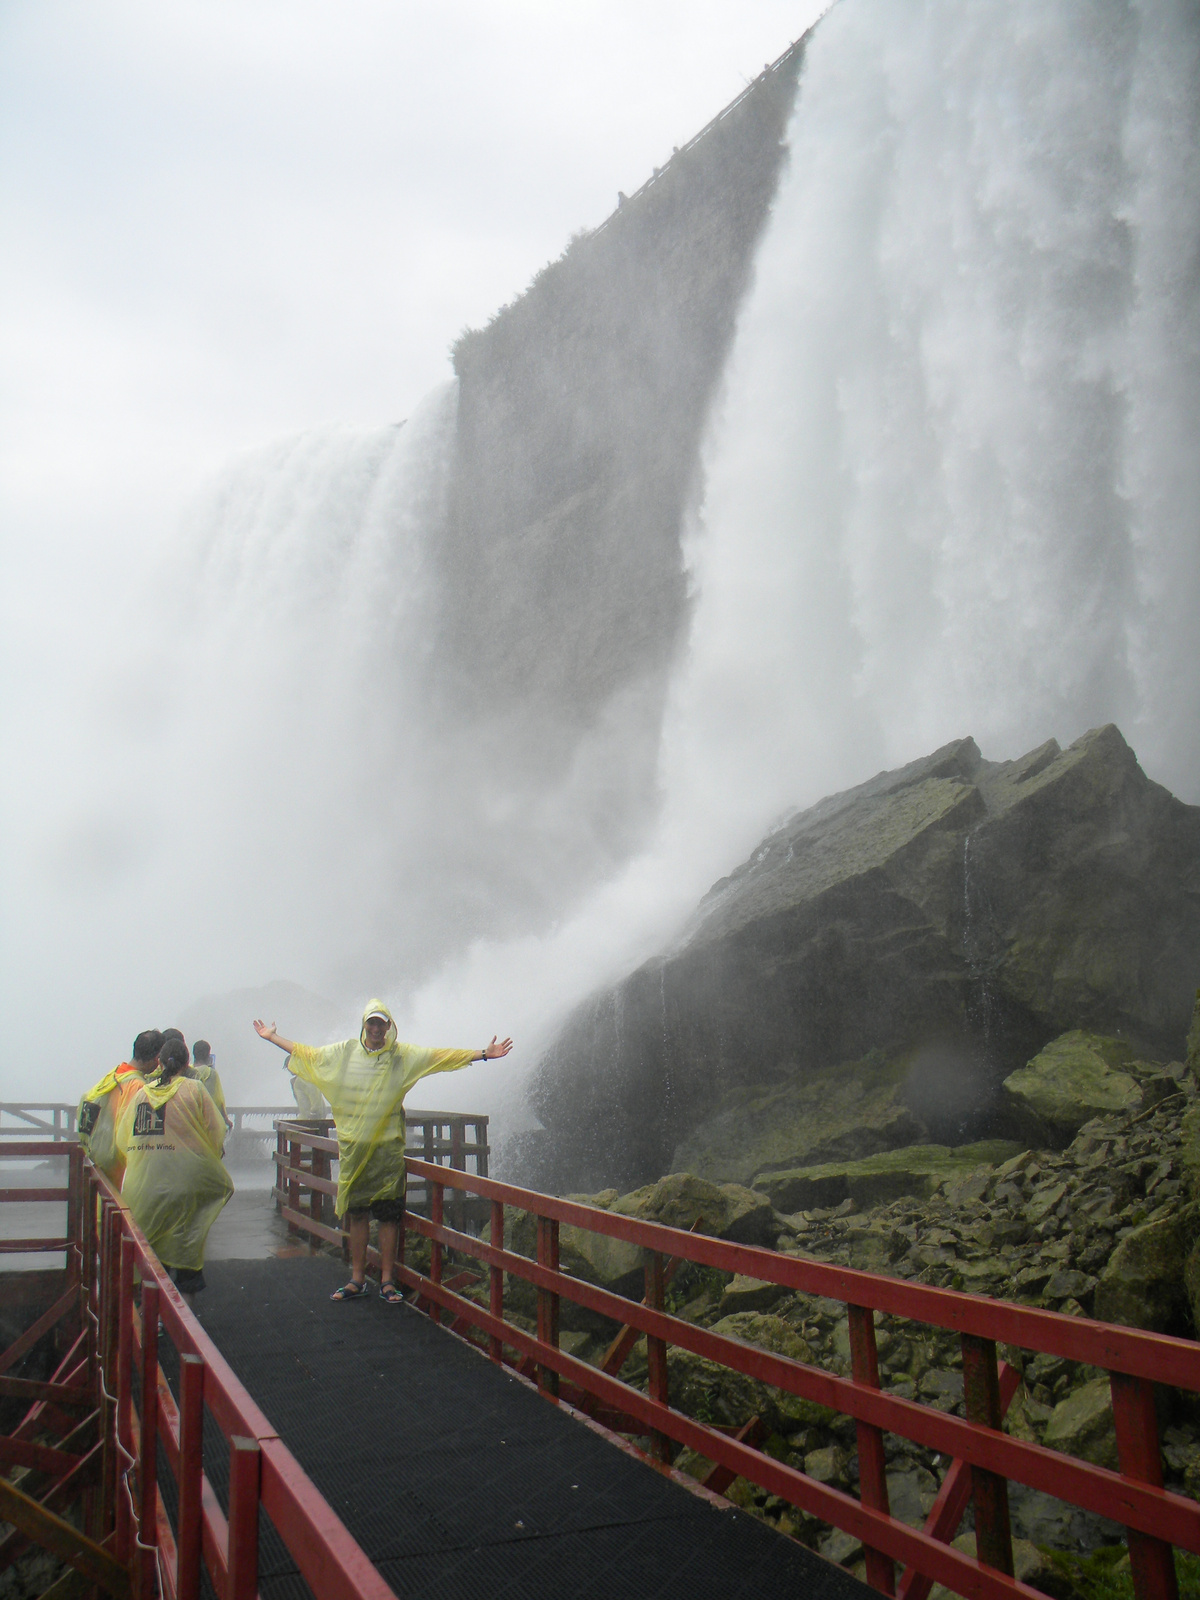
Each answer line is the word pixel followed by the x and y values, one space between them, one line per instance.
pixel 947 486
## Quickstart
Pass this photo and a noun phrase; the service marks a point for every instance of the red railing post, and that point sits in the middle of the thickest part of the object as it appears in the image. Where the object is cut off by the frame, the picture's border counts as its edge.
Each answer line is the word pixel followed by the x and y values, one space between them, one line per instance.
pixel 981 1390
pixel 321 1166
pixel 1152 1560
pixel 496 1280
pixel 547 1301
pixel 435 1247
pixel 280 1150
pixel 108 1310
pixel 123 1389
pixel 872 1465
pixel 245 1476
pixel 459 1162
pixel 656 1350
pixel 75 1214
pixel 293 1181
pixel 191 1467
pixel 148 1462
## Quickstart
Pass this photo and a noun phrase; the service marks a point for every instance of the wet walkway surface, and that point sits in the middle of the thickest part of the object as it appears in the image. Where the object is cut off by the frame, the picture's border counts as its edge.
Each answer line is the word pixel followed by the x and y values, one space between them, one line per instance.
pixel 455 1477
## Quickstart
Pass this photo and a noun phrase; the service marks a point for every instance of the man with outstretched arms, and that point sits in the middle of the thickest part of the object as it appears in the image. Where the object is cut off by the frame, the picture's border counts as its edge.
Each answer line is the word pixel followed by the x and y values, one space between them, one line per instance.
pixel 101 1107
pixel 365 1081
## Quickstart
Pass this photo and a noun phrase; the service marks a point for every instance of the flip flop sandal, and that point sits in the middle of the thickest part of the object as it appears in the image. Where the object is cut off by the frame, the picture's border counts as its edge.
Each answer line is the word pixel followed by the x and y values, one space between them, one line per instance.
pixel 350 1291
pixel 390 1295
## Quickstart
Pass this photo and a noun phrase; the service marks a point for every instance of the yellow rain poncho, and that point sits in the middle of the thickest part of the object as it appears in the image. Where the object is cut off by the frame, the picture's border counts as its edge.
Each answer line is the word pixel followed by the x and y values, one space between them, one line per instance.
pixel 366 1090
pixel 205 1074
pixel 175 1183
pixel 100 1113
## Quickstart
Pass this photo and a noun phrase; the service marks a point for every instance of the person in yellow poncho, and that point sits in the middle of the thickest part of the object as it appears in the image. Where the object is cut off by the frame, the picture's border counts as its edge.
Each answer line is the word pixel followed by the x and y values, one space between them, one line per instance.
pixel 175 1182
pixel 365 1081
pixel 204 1071
pixel 101 1107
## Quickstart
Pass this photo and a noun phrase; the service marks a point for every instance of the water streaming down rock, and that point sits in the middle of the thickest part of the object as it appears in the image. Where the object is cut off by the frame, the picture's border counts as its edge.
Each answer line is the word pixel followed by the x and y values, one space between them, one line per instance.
pixel 949 488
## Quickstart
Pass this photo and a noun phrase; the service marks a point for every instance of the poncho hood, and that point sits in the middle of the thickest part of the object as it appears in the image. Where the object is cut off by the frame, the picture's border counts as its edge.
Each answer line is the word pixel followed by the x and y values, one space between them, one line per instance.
pixel 159 1093
pixel 389 1037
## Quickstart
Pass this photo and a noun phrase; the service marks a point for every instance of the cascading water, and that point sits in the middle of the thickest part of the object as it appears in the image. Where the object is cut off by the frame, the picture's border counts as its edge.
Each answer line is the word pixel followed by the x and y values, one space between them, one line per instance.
pixel 953 486
pixel 952 490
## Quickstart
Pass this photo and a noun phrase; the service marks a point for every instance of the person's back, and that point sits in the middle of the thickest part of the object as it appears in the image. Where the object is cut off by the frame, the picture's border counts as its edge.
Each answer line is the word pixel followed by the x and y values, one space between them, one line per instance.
pixel 203 1070
pixel 101 1108
pixel 175 1181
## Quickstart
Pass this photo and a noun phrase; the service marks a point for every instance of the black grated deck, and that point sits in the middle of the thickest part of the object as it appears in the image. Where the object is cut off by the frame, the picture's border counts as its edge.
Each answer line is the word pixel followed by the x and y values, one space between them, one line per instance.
pixel 459 1481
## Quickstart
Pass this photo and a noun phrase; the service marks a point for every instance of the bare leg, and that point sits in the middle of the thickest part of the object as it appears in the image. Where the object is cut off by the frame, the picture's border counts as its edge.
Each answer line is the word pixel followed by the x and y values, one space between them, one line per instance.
pixel 388 1234
pixel 360 1234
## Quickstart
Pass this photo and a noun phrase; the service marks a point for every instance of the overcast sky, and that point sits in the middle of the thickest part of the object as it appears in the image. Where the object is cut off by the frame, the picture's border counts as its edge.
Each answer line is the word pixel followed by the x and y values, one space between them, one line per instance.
pixel 228 221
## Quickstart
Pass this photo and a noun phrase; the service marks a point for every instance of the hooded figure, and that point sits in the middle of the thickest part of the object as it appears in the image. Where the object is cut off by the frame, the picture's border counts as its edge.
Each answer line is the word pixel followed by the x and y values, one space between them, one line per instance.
pixel 365 1081
pixel 175 1182
pixel 203 1071
pixel 366 1089
pixel 101 1108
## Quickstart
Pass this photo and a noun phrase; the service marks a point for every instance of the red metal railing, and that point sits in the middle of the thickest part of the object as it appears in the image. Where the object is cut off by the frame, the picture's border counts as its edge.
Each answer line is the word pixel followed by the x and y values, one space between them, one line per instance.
pixel 137 1411
pixel 984 1458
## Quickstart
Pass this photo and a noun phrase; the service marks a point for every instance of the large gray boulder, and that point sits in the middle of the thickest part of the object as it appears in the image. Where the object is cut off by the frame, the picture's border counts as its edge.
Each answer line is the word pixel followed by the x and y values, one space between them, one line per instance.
pixel 1079 1076
pixel 715 1393
pixel 913 1170
pixel 952 917
pixel 1143 1283
pixel 844 1112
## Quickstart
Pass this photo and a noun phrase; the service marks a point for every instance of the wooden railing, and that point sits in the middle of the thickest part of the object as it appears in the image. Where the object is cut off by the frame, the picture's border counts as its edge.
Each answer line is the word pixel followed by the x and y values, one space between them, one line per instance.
pixel 305 1153
pixel 900 1559
pixel 22 1119
pixel 111 1409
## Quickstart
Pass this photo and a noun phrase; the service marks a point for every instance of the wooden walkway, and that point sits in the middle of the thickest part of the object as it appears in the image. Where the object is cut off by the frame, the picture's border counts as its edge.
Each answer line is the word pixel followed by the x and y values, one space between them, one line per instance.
pixel 455 1477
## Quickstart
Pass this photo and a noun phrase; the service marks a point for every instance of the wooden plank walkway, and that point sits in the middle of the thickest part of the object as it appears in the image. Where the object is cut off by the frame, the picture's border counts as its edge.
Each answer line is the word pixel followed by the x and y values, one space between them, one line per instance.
pixel 455 1477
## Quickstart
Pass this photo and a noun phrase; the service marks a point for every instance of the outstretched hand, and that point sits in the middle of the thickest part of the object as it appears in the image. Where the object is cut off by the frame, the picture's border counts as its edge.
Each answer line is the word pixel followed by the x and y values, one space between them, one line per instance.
pixel 494 1051
pixel 262 1030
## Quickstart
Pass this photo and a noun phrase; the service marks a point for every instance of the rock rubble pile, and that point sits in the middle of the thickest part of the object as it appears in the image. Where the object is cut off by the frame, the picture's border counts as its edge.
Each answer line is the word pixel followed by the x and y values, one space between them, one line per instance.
pixel 1106 1227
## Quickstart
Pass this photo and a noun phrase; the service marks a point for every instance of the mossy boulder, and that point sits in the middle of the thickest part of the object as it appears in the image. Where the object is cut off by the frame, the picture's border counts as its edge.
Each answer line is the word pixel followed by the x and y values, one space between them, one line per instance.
pixel 1192 1059
pixel 953 915
pixel 713 1393
pixel 1143 1284
pixel 915 1170
pixel 751 1294
pixel 682 1200
pixel 1077 1076
pixel 1082 1425
pixel 845 1113
pixel 679 1200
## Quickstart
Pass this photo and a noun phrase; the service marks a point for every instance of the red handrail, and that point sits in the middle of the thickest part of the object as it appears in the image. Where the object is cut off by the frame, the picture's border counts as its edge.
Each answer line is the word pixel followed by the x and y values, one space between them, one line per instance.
pixel 1155 1519
pixel 263 1472
pixel 106 1252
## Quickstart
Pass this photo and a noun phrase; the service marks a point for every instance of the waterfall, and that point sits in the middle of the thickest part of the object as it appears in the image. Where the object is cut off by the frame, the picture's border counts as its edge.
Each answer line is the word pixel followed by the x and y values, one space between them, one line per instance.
pixel 952 486
pixel 955 486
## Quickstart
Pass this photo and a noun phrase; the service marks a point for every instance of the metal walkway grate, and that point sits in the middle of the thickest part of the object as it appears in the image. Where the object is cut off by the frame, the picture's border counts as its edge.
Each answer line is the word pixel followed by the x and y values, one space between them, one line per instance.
pixel 455 1478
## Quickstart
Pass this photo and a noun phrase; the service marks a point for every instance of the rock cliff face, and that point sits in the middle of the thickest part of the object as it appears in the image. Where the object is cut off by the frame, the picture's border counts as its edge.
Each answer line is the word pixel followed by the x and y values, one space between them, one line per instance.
pixel 934 928
pixel 581 411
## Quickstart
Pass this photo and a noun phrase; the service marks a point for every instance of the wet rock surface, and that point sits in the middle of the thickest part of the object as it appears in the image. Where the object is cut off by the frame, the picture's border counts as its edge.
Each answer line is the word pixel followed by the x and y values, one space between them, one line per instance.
pixel 922 938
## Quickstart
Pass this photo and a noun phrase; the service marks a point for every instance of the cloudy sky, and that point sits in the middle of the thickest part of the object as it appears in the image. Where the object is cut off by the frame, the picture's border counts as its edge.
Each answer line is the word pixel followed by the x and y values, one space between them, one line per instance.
pixel 229 221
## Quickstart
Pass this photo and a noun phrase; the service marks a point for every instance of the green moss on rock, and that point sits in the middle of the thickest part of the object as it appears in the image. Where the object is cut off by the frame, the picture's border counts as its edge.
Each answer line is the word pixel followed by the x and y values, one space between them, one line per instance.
pixel 916 1170
pixel 1077 1076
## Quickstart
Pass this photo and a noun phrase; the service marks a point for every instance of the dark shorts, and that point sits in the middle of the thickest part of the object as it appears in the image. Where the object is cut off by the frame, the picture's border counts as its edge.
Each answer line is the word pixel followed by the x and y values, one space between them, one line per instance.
pixel 381 1210
pixel 188 1280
